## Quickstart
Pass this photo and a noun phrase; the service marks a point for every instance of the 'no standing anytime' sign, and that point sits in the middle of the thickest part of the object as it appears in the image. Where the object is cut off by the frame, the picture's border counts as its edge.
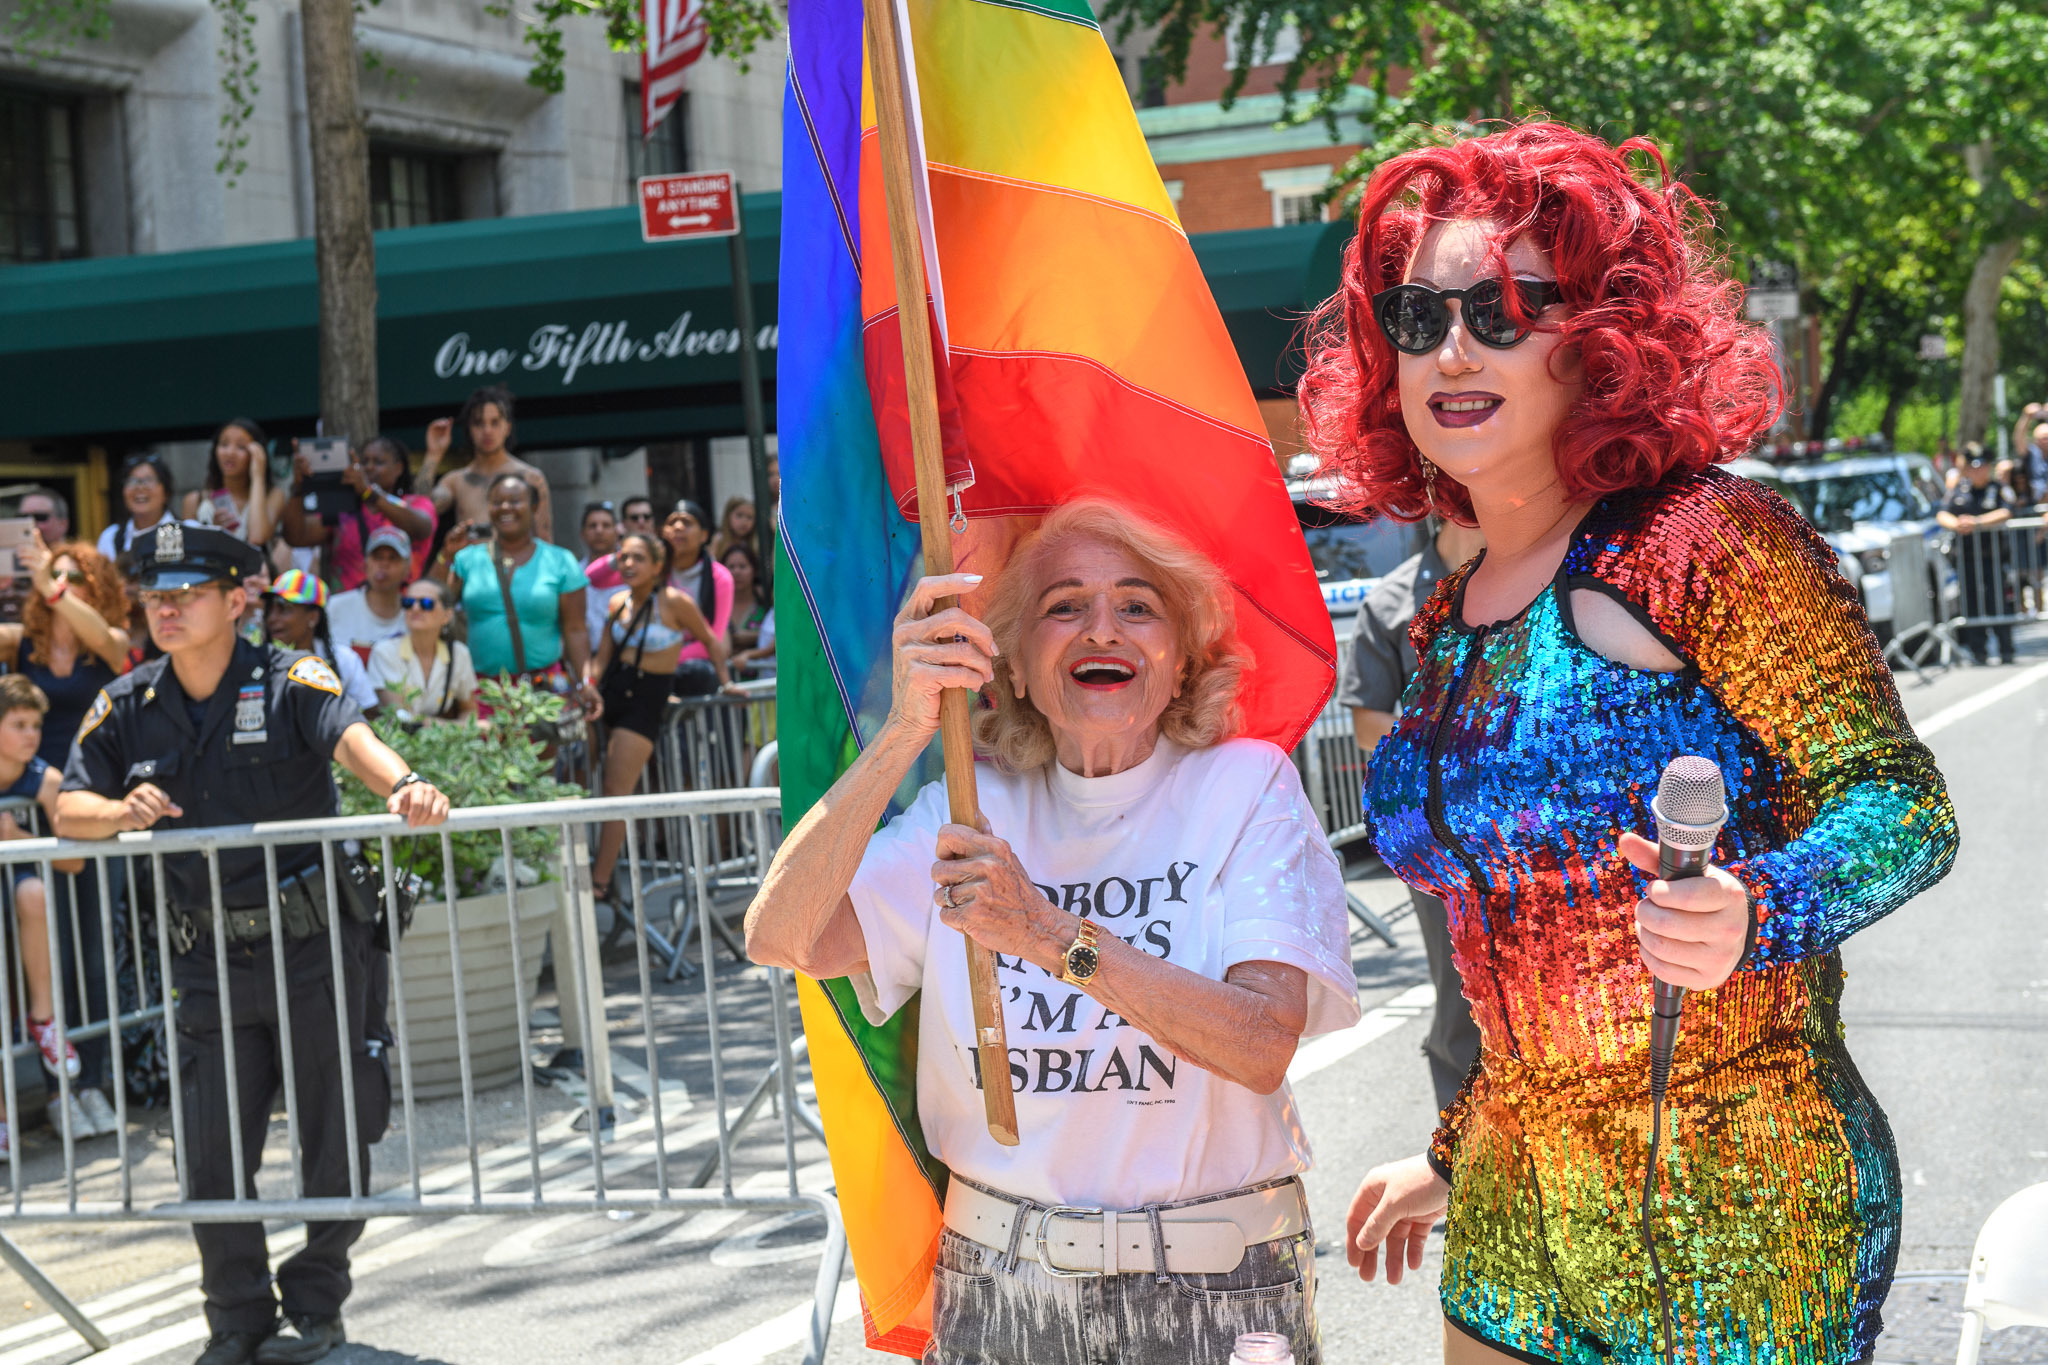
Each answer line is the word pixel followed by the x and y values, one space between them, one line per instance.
pixel 683 206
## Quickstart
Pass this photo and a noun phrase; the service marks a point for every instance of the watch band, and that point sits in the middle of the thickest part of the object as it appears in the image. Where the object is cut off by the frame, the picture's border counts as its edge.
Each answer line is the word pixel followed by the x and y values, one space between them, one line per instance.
pixel 409 780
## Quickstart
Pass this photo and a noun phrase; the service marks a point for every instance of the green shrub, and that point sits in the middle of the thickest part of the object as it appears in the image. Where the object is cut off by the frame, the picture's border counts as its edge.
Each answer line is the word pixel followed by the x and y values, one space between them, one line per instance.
pixel 476 765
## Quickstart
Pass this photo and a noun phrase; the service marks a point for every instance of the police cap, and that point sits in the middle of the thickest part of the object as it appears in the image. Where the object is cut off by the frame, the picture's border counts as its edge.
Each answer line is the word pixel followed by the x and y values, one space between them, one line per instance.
pixel 173 555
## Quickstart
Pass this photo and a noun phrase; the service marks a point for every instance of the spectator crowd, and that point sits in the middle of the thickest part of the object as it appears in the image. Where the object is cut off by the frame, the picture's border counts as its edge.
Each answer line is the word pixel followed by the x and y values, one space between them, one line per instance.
pixel 413 582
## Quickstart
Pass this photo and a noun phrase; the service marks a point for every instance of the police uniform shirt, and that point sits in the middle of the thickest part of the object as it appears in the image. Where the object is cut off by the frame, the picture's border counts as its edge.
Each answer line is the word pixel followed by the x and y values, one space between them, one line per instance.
pixel 261 750
pixel 1967 500
pixel 1381 659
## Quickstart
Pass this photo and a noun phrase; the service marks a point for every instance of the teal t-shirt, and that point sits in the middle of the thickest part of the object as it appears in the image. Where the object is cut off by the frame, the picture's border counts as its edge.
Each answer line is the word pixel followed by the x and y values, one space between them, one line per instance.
pixel 537 588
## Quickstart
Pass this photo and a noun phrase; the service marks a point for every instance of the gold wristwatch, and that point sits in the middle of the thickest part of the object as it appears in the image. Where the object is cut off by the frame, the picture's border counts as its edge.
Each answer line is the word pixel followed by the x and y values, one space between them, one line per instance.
pixel 1083 959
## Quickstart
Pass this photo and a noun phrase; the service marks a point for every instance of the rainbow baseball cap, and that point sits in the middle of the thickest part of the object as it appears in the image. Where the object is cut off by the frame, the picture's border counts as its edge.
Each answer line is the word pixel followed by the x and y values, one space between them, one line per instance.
pixel 300 587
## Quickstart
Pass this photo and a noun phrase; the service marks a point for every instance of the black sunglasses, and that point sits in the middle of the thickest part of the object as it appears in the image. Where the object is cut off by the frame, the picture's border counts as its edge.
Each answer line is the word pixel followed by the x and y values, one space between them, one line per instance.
pixel 1416 318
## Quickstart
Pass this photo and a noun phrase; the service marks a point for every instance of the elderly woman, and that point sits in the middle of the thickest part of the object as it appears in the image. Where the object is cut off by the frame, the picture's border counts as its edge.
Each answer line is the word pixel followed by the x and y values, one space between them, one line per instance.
pixel 1532 338
pixel 1169 921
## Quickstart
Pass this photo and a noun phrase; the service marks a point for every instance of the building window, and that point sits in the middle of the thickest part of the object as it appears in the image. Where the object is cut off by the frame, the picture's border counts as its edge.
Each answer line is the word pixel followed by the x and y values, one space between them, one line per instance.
pixel 667 152
pixel 1289 209
pixel 39 206
pixel 1295 191
pixel 412 188
pixel 1151 81
pixel 1277 47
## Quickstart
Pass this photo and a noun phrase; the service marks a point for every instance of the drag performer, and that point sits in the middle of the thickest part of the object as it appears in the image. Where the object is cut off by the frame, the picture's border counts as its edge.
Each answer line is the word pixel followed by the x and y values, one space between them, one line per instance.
pixel 1168 920
pixel 1533 340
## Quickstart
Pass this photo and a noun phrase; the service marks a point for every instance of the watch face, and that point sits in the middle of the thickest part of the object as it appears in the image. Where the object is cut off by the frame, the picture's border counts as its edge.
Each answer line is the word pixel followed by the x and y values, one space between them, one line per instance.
pixel 1082 961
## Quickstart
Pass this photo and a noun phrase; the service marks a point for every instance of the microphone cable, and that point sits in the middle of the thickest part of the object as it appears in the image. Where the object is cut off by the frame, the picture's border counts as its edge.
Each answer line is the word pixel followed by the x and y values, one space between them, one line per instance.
pixel 1658 1079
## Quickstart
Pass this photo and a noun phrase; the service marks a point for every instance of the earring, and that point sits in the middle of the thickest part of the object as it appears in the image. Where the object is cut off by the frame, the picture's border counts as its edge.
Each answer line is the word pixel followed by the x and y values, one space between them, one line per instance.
pixel 1429 488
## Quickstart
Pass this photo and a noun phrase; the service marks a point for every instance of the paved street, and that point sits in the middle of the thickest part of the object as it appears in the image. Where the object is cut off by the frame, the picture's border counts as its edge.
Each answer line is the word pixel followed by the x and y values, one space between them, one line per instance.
pixel 1947 1009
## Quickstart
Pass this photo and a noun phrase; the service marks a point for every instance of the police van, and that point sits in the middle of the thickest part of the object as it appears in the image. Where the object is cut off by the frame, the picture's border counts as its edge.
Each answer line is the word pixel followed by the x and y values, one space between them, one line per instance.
pixel 1350 553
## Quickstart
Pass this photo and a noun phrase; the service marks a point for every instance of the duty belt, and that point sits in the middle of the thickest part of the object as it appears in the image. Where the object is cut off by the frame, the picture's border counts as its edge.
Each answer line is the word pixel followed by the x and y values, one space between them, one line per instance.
pixel 301 904
pixel 1205 1236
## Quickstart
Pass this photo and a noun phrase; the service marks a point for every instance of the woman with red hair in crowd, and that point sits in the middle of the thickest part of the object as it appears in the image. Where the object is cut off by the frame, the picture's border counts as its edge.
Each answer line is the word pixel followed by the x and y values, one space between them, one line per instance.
pixel 1534 336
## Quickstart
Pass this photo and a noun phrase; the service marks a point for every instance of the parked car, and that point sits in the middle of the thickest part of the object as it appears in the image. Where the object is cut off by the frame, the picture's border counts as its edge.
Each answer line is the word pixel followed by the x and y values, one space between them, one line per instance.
pixel 1860 506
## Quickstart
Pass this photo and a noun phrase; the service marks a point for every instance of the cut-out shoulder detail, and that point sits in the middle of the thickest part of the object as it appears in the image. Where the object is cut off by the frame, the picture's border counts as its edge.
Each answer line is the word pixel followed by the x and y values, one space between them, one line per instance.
pixel 1610 630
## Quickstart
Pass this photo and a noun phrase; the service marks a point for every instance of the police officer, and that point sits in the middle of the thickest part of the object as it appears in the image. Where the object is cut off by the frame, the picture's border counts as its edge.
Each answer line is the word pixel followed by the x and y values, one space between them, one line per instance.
pixel 1977 503
pixel 218 731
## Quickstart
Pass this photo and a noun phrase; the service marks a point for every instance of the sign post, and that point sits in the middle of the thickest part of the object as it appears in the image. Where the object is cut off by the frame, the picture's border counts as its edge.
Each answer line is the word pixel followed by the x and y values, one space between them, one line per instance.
pixel 680 208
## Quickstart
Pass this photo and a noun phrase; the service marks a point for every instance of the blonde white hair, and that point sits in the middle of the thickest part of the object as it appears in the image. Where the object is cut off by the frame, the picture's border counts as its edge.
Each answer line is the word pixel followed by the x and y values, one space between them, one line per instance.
pixel 1198 603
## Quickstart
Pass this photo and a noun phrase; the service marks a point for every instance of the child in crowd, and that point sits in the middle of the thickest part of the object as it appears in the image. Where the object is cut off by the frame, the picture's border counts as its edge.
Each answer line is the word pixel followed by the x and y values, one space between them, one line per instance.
pixel 22 774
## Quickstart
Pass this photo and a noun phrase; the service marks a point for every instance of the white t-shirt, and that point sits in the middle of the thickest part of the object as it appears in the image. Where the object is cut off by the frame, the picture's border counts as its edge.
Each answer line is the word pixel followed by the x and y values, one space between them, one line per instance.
pixel 352 623
pixel 1207 858
pixel 354 680
pixel 395 667
pixel 109 543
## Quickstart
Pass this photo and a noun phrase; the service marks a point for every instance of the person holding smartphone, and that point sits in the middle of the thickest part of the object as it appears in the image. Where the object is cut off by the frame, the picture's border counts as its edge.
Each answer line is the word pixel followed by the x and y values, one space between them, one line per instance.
pixel 381 479
pixel 238 498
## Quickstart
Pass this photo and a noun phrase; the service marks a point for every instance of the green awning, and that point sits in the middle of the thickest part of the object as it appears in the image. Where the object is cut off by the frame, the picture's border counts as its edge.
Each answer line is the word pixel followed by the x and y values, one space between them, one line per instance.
pixel 1266 280
pixel 605 339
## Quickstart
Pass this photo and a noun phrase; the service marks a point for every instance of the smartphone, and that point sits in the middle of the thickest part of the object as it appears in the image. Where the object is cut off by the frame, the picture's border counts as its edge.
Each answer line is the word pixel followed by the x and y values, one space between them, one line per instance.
pixel 16 533
pixel 326 454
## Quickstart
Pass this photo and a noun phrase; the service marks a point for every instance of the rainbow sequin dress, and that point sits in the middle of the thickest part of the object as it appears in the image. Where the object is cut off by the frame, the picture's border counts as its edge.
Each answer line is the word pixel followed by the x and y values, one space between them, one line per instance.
pixel 1520 757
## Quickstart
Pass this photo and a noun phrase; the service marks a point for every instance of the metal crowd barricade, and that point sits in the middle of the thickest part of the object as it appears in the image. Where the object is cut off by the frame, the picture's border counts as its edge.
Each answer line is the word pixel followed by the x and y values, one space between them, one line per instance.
pixel 1948 590
pixel 1333 772
pixel 86 937
pixel 632 1165
pixel 706 743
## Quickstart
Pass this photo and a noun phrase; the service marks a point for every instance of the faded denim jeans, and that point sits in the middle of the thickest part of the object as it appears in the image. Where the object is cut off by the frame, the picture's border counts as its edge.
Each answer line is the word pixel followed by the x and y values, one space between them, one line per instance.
pixel 984 1316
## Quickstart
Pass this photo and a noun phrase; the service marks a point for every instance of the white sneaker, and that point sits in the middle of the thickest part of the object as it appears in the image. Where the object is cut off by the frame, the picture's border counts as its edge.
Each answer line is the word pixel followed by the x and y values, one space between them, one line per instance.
pixel 81 1126
pixel 99 1111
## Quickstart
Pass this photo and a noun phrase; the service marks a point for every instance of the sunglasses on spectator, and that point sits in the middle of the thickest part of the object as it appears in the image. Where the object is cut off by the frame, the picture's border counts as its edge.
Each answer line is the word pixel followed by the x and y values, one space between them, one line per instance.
pixel 75 577
pixel 1417 318
pixel 421 603
pixel 38 516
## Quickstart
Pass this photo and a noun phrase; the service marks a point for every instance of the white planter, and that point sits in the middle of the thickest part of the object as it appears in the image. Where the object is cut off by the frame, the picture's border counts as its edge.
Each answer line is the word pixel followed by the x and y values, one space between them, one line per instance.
pixel 497 1049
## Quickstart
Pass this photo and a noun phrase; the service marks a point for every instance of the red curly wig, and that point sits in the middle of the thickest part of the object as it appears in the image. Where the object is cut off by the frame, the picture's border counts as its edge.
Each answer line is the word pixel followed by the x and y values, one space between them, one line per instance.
pixel 1675 378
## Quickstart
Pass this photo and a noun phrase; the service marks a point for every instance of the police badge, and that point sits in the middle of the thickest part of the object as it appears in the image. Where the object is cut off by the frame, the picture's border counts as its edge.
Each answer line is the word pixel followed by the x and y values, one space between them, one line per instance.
pixel 170 541
pixel 249 715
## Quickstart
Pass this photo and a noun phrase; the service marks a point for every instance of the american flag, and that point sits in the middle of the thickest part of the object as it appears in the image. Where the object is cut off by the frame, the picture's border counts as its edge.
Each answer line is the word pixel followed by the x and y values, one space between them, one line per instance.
pixel 675 37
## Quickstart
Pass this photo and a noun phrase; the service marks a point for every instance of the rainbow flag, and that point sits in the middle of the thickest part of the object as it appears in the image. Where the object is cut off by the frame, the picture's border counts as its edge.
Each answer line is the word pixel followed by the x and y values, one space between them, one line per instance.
pixel 1079 352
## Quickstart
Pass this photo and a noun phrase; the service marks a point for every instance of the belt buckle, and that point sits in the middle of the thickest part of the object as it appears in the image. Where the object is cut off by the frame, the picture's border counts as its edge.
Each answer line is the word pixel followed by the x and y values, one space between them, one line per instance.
pixel 1045 1252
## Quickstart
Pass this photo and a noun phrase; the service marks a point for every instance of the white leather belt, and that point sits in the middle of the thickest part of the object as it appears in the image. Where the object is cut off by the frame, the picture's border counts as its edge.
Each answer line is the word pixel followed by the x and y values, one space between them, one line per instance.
pixel 1192 1239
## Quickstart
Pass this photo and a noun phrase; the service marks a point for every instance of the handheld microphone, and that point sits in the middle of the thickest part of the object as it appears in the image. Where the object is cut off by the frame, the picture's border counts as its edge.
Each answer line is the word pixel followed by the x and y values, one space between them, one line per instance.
pixel 1691 805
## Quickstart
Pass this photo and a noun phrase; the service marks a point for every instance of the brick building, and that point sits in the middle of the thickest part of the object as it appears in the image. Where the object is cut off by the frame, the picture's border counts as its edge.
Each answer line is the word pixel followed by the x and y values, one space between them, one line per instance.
pixel 1239 168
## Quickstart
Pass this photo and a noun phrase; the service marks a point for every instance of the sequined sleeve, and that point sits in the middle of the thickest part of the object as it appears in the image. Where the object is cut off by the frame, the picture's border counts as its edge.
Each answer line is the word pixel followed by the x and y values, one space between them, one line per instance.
pixel 1749 593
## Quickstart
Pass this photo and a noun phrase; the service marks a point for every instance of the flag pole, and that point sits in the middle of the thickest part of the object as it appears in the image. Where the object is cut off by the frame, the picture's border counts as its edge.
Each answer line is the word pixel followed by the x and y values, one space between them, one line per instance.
pixel 885 47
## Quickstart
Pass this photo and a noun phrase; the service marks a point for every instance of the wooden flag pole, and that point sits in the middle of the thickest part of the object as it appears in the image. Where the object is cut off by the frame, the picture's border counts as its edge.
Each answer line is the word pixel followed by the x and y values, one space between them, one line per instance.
pixel 885 47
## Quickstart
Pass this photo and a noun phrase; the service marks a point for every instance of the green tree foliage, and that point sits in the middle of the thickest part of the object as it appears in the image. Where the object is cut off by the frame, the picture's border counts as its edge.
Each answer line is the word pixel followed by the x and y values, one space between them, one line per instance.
pixel 735 28
pixel 1881 146
pixel 498 765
